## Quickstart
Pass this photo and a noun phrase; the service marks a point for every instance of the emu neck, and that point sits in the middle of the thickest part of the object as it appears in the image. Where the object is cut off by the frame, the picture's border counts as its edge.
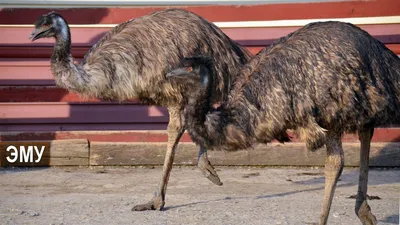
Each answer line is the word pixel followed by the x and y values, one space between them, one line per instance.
pixel 67 74
pixel 62 49
pixel 199 105
pixel 229 128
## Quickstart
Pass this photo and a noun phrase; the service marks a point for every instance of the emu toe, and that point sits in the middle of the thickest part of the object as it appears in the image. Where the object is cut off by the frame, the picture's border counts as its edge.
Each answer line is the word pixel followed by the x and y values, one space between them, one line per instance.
pixel 154 204
pixel 208 170
pixel 365 215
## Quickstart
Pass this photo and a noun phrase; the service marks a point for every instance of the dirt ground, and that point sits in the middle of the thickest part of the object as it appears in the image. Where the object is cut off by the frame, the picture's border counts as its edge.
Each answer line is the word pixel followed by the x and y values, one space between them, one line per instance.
pixel 105 195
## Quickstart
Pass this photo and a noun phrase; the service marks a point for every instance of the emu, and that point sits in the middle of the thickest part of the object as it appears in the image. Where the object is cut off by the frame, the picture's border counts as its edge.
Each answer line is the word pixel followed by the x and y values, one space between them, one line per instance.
pixel 322 80
pixel 130 62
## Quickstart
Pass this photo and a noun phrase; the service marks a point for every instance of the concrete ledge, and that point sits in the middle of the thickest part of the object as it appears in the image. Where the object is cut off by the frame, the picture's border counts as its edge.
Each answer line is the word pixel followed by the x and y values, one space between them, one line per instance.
pixel 79 152
pixel 381 134
pixel 69 153
pixel 274 154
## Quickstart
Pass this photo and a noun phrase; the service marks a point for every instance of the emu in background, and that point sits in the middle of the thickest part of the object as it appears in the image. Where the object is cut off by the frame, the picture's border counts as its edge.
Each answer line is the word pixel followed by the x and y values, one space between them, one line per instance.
pixel 130 62
pixel 322 80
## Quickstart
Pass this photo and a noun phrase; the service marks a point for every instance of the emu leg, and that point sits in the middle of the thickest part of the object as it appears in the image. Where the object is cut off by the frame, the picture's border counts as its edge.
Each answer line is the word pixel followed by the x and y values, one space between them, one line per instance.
pixel 175 131
pixel 333 169
pixel 204 164
pixel 206 168
pixel 362 209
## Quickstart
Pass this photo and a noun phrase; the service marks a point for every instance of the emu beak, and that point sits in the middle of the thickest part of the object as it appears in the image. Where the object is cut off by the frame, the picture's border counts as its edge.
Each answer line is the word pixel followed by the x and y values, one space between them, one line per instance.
pixel 37 33
pixel 34 35
pixel 179 73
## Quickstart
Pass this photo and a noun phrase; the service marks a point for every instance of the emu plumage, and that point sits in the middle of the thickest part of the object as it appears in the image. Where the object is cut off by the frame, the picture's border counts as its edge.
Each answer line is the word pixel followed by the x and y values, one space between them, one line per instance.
pixel 322 80
pixel 130 62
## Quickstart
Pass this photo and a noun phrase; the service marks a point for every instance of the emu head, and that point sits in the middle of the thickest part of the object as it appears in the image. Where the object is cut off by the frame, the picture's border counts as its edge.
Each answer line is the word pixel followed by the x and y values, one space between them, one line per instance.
pixel 49 25
pixel 194 70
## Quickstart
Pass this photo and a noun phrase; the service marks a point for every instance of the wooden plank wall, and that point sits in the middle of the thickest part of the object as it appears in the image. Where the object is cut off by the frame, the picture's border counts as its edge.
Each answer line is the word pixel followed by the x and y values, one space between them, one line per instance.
pixel 31 104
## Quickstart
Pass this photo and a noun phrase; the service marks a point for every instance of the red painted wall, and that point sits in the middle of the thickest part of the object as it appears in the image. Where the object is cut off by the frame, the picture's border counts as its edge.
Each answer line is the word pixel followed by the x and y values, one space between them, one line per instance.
pixel 30 102
pixel 343 9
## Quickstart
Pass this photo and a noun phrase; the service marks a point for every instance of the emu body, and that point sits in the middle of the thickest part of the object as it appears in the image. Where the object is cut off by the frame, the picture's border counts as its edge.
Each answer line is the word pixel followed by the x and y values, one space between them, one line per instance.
pixel 131 60
pixel 322 80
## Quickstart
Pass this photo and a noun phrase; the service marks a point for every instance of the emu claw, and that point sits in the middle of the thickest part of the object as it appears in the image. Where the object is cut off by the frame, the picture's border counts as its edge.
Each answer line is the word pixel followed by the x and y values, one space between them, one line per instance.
pixel 154 204
pixel 208 170
pixel 365 215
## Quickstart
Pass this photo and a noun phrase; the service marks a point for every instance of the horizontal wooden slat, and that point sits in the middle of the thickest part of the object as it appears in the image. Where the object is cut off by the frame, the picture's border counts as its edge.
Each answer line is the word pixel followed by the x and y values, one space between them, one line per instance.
pixel 29 52
pixel 79 36
pixel 355 8
pixel 292 154
pixel 29 75
pixel 26 71
pixel 387 33
pixel 380 135
pixel 40 94
pixel 38 52
pixel 39 113
pixel 50 127
pixel 24 52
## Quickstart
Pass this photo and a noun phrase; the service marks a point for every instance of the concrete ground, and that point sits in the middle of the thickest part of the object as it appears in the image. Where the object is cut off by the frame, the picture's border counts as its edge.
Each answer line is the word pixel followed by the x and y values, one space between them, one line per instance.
pixel 105 195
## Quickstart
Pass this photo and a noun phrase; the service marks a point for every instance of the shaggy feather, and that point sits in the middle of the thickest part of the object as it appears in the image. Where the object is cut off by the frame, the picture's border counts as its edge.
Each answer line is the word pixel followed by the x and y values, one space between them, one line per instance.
pixel 131 60
pixel 324 77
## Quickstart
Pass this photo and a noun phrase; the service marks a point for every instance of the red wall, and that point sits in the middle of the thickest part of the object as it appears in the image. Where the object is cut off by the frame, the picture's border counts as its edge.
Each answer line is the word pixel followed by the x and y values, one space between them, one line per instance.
pixel 30 102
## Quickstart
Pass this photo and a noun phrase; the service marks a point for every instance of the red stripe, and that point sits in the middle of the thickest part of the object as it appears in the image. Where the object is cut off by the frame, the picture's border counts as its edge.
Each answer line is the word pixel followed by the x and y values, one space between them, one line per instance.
pixel 86 37
pixel 64 113
pixel 40 94
pixel 380 135
pixel 354 8
pixel 51 127
pixel 23 53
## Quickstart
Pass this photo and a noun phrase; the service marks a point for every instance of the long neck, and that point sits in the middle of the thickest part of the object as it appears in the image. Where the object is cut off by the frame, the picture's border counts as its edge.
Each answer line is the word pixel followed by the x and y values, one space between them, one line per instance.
pixel 222 129
pixel 199 104
pixel 66 73
pixel 62 49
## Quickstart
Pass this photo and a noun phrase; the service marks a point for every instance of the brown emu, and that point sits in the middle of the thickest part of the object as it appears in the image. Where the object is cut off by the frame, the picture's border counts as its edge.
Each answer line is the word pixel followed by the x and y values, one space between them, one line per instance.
pixel 322 80
pixel 131 61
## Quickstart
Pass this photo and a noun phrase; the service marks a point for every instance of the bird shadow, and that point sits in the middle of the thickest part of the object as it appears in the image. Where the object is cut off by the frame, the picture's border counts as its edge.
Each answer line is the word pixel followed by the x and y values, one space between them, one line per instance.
pixel 349 177
pixel 8 170
pixel 204 202
pixel 389 155
pixel 256 197
pixel 392 219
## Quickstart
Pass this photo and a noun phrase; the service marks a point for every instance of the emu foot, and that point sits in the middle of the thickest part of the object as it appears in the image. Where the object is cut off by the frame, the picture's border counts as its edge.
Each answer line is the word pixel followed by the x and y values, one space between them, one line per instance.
pixel 365 215
pixel 208 170
pixel 155 204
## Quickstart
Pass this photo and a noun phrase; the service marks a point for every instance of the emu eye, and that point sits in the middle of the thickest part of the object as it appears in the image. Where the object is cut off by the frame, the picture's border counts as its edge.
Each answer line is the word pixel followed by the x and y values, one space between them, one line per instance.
pixel 189 69
pixel 46 25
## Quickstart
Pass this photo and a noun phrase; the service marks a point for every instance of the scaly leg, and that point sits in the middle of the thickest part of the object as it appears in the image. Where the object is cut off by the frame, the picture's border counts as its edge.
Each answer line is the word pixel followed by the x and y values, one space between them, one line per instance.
pixel 333 169
pixel 362 209
pixel 175 131
pixel 206 168
pixel 204 164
